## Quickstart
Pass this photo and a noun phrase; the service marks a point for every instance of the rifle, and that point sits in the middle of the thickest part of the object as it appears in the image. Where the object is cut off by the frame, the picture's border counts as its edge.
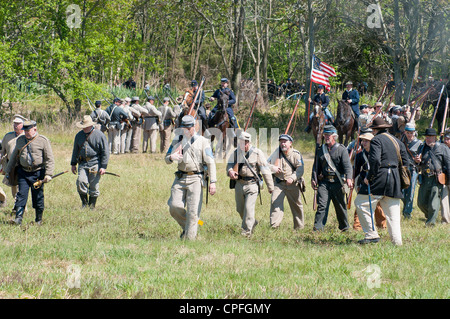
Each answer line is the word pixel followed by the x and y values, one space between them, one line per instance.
pixel 107 101
pixel 195 98
pixel 316 161
pixel 39 183
pixel 354 150
pixel 251 111
pixel 444 121
pixel 382 92
pixel 437 105
pixel 89 102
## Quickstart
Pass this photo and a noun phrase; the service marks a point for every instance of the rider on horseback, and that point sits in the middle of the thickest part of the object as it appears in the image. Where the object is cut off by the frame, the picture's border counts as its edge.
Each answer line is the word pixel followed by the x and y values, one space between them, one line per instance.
pixel 231 101
pixel 323 100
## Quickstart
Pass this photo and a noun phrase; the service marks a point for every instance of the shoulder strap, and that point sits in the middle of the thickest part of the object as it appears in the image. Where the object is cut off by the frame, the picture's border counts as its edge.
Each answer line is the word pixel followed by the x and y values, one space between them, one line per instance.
pixel 397 147
pixel 21 150
pixel 288 161
pixel 331 163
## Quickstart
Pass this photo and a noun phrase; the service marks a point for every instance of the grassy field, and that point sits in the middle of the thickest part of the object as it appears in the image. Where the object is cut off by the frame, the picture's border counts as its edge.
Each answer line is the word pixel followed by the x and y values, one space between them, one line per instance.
pixel 129 246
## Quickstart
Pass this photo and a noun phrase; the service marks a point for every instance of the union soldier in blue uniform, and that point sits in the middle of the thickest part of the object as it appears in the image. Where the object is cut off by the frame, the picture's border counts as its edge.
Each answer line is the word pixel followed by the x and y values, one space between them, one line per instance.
pixel 352 97
pixel 231 101
pixel 324 100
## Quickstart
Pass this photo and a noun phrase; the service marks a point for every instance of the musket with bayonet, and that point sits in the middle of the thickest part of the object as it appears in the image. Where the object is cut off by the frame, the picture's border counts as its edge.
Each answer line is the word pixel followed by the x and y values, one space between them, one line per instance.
pixel 191 108
pixel 39 183
pixel 437 105
pixel 91 105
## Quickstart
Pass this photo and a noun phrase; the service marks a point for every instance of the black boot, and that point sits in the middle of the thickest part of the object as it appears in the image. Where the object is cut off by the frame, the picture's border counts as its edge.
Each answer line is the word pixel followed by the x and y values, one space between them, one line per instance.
pixel 92 201
pixel 39 213
pixel 308 129
pixel 84 200
pixel 19 215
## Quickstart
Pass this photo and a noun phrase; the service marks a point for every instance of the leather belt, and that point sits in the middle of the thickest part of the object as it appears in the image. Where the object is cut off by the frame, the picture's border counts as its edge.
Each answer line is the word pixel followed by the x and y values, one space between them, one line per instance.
pixel 30 168
pixel 84 159
pixel 180 174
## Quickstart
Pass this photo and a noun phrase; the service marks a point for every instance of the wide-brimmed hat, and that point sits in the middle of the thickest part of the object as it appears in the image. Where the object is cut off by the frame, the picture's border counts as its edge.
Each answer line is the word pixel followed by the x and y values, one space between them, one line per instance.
pixel 430 132
pixel 86 122
pixel 379 123
pixel 366 136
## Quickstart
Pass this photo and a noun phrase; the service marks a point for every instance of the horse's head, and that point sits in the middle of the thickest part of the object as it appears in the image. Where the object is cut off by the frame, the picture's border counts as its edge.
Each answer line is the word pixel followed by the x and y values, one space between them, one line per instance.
pixel 317 109
pixel 223 100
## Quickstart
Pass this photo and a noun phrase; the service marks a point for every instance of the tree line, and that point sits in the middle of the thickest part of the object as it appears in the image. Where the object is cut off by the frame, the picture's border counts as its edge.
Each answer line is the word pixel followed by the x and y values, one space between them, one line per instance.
pixel 72 47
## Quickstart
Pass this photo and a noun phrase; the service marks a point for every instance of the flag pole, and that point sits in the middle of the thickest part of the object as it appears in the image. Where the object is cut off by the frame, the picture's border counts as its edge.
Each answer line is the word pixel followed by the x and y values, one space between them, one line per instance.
pixel 310 84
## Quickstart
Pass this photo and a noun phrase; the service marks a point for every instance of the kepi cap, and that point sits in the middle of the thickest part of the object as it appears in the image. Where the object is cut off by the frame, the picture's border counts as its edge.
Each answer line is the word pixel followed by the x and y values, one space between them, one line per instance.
pixel 245 136
pixel 329 129
pixel 28 125
pixel 187 121
pixel 19 119
pixel 286 137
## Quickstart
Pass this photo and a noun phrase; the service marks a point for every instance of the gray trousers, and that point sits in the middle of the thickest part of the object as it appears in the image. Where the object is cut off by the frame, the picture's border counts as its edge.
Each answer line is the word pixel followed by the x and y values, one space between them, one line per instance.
pixel 185 203
pixel 326 193
pixel 125 140
pixel 292 192
pixel 135 138
pixel 88 183
pixel 151 135
pixel 246 195
pixel 114 140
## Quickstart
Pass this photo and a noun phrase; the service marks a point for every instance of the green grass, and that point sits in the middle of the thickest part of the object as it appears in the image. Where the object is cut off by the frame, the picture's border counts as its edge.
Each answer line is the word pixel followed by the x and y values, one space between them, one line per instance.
pixel 129 247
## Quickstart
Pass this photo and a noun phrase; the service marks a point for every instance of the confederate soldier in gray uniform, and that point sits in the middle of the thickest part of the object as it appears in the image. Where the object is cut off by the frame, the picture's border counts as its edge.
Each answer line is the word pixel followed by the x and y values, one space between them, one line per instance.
pixel 150 126
pixel 333 171
pixel 193 154
pixel 244 168
pixel 287 168
pixel 8 145
pixel 33 159
pixel 117 115
pixel 91 154
pixel 101 117
pixel 136 123
pixel 167 123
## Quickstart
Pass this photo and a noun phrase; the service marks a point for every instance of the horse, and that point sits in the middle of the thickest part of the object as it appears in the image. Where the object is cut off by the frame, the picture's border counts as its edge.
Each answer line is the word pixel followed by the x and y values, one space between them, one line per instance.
pixel 220 118
pixel 345 123
pixel 318 120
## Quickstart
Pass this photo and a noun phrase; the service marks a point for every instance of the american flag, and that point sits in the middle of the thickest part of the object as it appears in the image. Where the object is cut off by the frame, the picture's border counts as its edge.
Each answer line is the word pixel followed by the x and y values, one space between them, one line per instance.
pixel 321 72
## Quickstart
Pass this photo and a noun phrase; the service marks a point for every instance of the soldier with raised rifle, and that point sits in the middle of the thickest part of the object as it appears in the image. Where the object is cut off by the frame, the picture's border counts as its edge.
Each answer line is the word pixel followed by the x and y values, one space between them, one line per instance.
pixel 287 167
pixel 245 167
pixel 196 166
pixel 91 154
pixel 32 159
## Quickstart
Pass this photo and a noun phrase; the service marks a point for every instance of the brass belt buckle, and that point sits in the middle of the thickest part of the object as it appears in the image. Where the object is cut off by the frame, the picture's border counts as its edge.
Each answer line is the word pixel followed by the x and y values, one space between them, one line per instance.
pixel 427 170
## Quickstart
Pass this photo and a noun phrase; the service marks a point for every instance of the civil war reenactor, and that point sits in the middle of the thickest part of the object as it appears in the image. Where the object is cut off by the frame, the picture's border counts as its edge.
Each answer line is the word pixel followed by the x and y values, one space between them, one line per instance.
pixel 384 184
pixel 91 154
pixel 287 167
pixel 247 167
pixel 117 116
pixel 150 126
pixel 138 113
pixel 101 117
pixel 126 132
pixel 361 170
pixel 231 101
pixel 365 115
pixel 445 198
pixel 352 97
pixel 195 162
pixel 324 101
pixel 32 160
pixel 167 124
pixel 433 161
pixel 332 178
pixel 198 104
pixel 381 114
pixel 8 145
pixel 412 144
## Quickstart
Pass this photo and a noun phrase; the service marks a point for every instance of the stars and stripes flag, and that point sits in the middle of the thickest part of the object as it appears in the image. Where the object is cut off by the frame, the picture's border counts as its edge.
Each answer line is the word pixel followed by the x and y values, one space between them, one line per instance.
pixel 321 72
